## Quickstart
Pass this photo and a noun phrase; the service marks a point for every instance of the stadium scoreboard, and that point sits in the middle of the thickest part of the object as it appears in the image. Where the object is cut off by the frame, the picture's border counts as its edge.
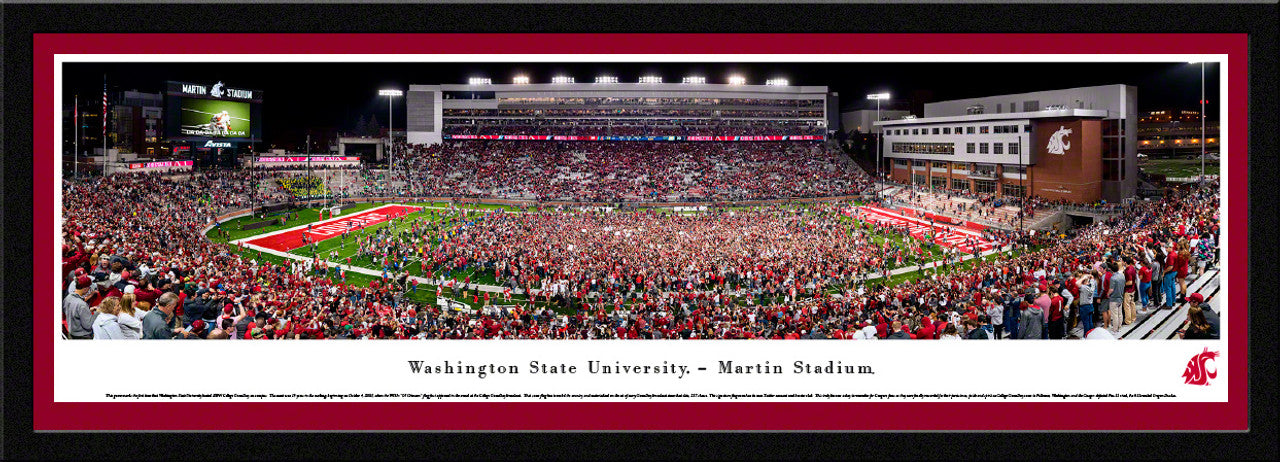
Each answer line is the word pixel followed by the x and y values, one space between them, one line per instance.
pixel 212 111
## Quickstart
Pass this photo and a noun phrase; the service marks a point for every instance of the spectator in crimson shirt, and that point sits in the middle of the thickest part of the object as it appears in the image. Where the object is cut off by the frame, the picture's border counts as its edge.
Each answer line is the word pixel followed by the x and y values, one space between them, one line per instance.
pixel 1130 290
pixel 926 331
pixel 1144 285
pixel 1057 323
pixel 1104 296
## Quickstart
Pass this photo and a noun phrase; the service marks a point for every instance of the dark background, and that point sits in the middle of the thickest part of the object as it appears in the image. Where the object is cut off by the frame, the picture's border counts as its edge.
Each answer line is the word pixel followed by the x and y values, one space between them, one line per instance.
pixel 20 21
pixel 334 96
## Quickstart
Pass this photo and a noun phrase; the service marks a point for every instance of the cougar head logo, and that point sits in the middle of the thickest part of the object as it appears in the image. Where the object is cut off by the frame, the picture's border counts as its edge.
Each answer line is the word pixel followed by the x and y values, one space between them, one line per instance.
pixel 1056 144
pixel 1197 372
pixel 216 92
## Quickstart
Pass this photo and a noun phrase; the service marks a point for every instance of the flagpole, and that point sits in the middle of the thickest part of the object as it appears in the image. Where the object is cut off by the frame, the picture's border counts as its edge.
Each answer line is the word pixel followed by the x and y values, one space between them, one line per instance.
pixel 75 154
pixel 104 125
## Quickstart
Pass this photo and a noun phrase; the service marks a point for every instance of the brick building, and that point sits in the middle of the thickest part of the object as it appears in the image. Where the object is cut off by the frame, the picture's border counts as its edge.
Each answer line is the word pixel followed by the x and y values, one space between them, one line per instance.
pixel 1063 144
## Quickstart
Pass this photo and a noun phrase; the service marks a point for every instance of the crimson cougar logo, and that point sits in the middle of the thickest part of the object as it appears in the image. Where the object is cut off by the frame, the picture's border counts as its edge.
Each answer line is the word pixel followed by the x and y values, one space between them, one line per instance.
pixel 1197 372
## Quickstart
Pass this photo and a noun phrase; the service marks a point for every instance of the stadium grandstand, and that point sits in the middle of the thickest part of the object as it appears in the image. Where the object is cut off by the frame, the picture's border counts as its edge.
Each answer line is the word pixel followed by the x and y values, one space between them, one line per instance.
pixel 628 111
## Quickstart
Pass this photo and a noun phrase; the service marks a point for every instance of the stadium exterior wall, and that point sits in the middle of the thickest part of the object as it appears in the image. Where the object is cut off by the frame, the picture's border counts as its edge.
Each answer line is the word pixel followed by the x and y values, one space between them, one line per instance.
pixel 424 116
pixel 1119 101
pixel 1005 154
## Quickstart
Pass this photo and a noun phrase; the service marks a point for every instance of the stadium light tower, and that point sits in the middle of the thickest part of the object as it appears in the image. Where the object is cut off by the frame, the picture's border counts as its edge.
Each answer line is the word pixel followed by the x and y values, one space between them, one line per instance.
pixel 606 79
pixel 562 79
pixel 694 80
pixel 1202 130
pixel 878 97
pixel 520 80
pixel 479 81
pixel 777 82
pixel 651 79
pixel 737 80
pixel 391 95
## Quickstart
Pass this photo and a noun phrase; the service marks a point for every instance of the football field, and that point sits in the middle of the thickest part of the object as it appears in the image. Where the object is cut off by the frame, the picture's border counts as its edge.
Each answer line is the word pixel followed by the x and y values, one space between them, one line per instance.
pixel 281 243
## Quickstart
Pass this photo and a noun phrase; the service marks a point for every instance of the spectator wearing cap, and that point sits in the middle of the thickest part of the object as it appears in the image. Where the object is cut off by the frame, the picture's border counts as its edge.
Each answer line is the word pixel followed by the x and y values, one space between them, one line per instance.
pixel 106 326
pixel 71 285
pixel 75 309
pixel 196 332
pixel 1198 301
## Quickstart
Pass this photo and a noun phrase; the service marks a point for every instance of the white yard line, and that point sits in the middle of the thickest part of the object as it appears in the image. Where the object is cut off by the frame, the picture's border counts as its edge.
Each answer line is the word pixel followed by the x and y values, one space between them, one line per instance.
pixel 924 221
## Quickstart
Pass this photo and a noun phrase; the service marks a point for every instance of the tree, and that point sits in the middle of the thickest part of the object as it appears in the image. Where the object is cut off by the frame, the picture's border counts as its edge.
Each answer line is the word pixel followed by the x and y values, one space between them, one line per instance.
pixel 375 129
pixel 361 125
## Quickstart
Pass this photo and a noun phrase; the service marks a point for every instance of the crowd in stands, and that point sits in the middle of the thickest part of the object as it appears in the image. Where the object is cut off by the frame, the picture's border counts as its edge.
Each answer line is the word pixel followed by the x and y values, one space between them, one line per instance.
pixel 628 112
pixel 137 265
pixel 987 208
pixel 601 127
pixel 627 171
pixel 304 187
pixel 628 101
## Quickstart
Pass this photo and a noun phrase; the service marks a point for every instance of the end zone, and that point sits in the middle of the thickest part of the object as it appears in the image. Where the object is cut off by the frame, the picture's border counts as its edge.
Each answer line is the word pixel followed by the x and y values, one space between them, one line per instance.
pixel 289 239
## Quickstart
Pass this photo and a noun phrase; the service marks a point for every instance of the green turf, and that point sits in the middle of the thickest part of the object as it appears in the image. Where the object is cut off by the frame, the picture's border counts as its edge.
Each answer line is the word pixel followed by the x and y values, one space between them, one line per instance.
pixel 1179 168
pixel 305 216
pixel 426 293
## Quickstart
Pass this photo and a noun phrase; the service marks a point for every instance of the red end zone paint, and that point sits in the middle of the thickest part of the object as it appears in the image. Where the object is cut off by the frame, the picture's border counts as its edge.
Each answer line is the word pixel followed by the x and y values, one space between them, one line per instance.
pixel 321 230
pixel 949 236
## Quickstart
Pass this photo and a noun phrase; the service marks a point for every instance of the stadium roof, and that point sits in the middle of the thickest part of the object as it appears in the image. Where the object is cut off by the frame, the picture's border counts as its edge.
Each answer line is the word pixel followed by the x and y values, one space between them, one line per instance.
pixel 1046 114
pixel 631 86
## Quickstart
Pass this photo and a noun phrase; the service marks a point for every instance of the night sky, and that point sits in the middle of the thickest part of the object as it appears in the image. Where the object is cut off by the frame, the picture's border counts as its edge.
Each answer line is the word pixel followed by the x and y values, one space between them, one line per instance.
pixel 301 96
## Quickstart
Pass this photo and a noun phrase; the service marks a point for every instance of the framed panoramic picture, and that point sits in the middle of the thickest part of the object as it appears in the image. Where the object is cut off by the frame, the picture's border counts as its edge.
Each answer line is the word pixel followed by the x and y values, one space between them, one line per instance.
pixel 644 232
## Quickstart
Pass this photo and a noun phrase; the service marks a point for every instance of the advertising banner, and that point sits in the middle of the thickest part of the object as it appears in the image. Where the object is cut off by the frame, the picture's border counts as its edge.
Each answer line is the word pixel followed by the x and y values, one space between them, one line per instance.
pixel 304 159
pixel 634 138
pixel 174 163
